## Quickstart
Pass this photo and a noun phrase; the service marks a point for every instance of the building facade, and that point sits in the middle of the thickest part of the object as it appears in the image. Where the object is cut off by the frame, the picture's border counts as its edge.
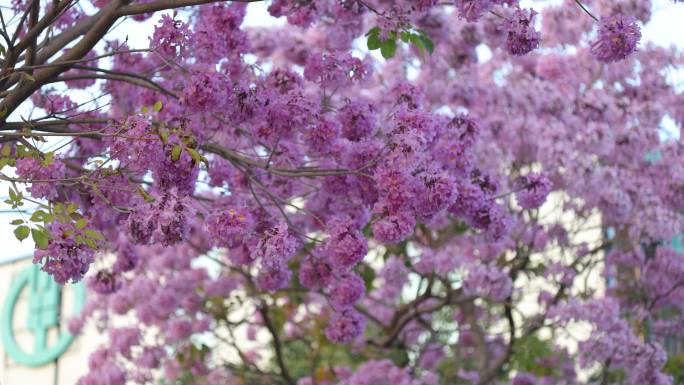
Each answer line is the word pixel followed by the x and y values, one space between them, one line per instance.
pixel 35 347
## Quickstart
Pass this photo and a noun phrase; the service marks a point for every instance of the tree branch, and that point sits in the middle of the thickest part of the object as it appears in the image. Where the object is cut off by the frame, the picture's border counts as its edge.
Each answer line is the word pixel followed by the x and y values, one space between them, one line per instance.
pixel 137 9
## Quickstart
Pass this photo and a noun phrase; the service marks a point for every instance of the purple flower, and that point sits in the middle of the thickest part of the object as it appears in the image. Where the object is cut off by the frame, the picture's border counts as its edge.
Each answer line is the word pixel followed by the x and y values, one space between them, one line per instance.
pixel 108 373
pixel 345 326
pixel 178 329
pixel 170 37
pixel 104 282
pixel 123 339
pixel 618 37
pixel 346 290
pixel 332 71
pixel 322 136
pixel 127 258
pixel 357 119
pixel 315 273
pixel 521 35
pixel 472 10
pixel 523 379
pixel 534 188
pixel 205 90
pixel 346 246
pixel 65 259
pixel 488 282
pixel 273 279
pixel 394 228
pixel 163 221
pixel 229 227
pixel 135 143
pixel 218 35
pixel 438 193
pixel 276 247
pixel 43 173
pixel 301 13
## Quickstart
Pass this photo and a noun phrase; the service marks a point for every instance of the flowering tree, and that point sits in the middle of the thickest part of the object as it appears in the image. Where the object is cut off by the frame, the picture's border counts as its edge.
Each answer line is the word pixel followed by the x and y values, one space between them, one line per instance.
pixel 356 196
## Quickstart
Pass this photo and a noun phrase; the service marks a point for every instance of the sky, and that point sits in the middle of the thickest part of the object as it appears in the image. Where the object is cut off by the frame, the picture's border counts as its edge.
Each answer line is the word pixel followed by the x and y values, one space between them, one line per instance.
pixel 665 29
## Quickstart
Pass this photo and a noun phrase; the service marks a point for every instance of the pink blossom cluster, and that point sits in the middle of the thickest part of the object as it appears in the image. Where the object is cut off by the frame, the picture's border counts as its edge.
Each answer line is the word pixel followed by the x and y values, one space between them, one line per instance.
pixel 282 205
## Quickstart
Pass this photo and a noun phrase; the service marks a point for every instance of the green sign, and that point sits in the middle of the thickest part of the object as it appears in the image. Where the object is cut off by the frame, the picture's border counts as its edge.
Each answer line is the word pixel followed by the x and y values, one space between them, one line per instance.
pixel 44 308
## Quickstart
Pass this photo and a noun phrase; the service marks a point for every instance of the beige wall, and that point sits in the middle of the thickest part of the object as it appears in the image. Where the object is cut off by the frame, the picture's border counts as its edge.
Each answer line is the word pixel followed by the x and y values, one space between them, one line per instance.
pixel 68 368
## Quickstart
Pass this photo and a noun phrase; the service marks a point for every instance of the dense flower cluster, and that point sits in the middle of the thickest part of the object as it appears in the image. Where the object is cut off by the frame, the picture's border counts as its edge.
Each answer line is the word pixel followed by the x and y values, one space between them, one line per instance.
pixel 473 10
pixel 43 172
pixel 521 35
pixel 171 37
pixel 618 37
pixel 332 72
pixel 66 258
pixel 280 205
pixel 534 188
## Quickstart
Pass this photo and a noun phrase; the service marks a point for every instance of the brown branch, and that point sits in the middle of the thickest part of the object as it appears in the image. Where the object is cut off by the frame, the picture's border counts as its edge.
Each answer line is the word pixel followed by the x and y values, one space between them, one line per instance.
pixel 135 80
pixel 586 10
pixel 90 39
pixel 137 9
pixel 53 126
pixel 29 40
pixel 490 374
pixel 277 346
pixel 33 20
pixel 63 39
pixel 84 60
pixel 234 157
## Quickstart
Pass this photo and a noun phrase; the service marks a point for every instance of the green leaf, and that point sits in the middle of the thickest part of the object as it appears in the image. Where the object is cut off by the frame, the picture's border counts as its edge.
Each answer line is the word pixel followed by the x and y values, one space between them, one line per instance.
pixel 81 223
pixel 399 357
pixel 157 106
pixel 40 238
pixel 405 36
pixel 22 232
pixel 373 42
pixel 144 110
pixel 373 31
pixel 38 216
pixel 415 40
pixel 427 43
pixel 146 196
pixel 6 150
pixel 195 155
pixel 71 208
pixel 176 153
pixel 49 158
pixel 164 135
pixel 12 194
pixel 91 243
pixel 388 48
pixel 368 275
pixel 94 234
pixel 17 222
pixel 675 367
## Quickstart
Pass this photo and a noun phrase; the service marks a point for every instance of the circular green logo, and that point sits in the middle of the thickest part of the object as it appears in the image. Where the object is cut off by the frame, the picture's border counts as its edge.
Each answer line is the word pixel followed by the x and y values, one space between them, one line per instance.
pixel 44 308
